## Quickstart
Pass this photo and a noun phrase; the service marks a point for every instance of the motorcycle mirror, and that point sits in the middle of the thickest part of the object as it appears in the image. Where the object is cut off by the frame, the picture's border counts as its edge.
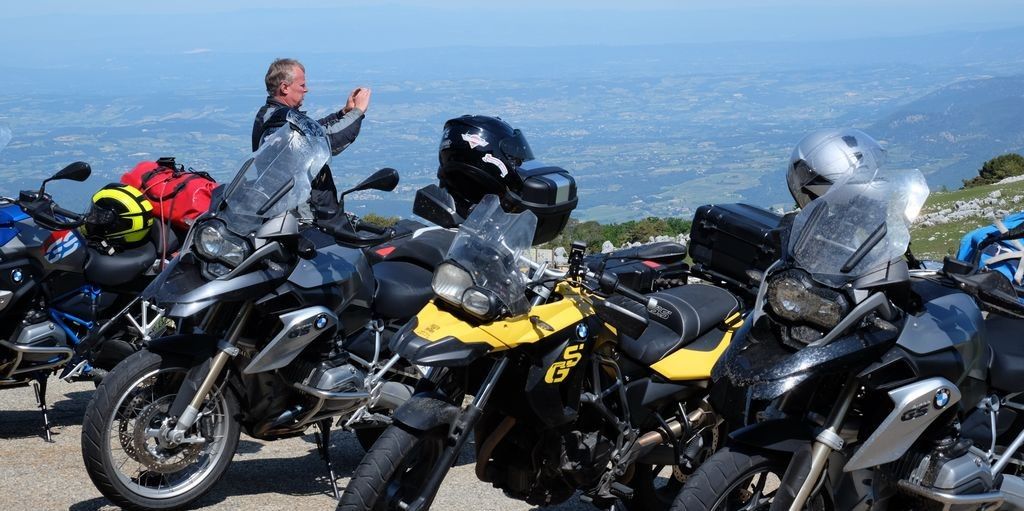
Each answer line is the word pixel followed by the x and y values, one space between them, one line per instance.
pixel 436 206
pixel 77 171
pixel 385 180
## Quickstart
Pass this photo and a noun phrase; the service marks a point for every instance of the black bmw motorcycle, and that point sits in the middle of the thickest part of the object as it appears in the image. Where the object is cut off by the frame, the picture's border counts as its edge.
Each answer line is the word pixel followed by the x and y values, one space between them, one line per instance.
pixel 866 384
pixel 281 325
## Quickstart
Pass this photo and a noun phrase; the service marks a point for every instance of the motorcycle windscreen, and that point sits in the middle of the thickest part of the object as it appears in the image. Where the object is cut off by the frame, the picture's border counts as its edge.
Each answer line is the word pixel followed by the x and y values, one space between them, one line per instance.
pixel 859 224
pixel 277 177
pixel 488 246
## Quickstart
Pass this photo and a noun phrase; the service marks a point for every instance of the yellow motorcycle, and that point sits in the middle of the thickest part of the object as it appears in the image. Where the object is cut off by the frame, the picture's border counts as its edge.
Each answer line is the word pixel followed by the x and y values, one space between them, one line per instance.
pixel 578 382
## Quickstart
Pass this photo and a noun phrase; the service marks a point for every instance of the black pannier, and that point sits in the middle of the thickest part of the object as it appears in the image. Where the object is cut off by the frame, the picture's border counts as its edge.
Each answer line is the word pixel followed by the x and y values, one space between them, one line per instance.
pixel 728 241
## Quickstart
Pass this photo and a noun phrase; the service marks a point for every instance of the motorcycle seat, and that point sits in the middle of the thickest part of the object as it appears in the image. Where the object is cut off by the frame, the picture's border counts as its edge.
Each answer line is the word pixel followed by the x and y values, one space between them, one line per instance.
pixel 684 314
pixel 120 268
pixel 427 249
pixel 402 289
pixel 1006 366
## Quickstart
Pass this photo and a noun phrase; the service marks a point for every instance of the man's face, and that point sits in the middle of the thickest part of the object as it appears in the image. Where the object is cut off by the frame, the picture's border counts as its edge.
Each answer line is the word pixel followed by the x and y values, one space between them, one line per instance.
pixel 293 93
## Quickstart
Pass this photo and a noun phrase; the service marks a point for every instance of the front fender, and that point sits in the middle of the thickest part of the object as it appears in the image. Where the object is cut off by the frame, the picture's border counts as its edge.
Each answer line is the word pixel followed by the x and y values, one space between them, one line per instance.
pixel 194 347
pixel 426 411
pixel 779 435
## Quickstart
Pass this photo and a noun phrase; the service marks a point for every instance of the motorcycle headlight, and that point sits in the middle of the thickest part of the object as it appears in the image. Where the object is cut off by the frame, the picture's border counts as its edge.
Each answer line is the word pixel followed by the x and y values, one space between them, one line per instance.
pixel 480 303
pixel 795 297
pixel 451 282
pixel 214 242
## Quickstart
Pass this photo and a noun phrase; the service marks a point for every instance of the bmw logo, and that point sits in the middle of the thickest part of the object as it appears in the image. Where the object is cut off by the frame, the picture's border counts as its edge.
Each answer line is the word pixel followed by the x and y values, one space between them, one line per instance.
pixel 941 398
pixel 582 331
pixel 320 322
pixel 17 276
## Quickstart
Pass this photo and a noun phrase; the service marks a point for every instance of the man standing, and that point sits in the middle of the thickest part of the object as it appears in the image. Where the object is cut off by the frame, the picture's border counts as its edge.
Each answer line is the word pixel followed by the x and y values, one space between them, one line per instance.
pixel 286 88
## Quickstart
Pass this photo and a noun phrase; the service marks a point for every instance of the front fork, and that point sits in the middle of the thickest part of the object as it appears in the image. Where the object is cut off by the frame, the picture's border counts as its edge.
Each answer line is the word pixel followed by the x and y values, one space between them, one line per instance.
pixel 225 350
pixel 827 441
pixel 457 436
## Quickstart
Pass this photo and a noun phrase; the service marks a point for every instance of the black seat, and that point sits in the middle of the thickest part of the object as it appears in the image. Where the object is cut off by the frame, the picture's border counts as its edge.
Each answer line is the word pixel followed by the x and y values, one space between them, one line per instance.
pixel 684 313
pixel 402 289
pixel 1006 368
pixel 121 268
pixel 426 249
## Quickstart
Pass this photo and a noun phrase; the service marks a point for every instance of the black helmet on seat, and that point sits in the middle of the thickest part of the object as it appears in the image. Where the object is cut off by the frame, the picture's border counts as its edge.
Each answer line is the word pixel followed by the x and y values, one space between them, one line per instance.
pixel 480 155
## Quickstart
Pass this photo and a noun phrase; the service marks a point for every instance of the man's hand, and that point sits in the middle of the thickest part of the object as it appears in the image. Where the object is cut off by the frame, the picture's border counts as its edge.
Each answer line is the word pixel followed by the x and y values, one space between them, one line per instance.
pixel 350 103
pixel 360 98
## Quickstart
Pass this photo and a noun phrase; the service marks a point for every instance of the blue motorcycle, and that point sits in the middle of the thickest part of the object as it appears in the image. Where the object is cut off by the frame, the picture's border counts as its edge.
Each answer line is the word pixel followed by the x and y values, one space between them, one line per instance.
pixel 56 287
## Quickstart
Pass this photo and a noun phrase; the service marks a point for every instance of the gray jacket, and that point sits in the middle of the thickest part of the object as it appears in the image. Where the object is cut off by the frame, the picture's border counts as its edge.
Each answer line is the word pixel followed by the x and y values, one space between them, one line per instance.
pixel 342 129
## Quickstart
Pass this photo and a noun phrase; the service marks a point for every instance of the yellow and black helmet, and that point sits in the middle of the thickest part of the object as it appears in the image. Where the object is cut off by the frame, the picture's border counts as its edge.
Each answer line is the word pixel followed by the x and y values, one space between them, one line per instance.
pixel 120 215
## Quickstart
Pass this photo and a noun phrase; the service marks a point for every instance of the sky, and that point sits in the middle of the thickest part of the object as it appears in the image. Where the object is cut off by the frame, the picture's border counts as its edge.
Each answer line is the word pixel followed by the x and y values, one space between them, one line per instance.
pixel 62 31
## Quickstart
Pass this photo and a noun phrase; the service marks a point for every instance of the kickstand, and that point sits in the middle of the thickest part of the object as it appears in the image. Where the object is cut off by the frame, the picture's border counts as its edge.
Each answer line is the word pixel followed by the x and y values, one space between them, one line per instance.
pixel 39 385
pixel 323 444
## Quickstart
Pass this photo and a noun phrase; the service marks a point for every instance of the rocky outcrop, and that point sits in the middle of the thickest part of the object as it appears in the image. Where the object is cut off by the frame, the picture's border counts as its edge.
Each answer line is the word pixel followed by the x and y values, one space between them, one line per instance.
pixel 995 205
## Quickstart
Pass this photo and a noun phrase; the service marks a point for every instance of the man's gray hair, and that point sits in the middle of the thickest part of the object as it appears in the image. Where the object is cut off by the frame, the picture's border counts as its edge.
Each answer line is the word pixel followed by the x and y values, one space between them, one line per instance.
pixel 281 71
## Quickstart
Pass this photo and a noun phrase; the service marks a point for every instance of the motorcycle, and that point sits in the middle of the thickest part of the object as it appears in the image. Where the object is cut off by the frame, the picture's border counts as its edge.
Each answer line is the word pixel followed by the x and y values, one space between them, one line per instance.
pixel 864 383
pixel 55 287
pixel 578 382
pixel 281 325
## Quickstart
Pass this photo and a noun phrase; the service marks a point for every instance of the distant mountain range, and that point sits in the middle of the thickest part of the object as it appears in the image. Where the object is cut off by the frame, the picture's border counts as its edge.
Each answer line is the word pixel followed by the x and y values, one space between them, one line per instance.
pixel 957 128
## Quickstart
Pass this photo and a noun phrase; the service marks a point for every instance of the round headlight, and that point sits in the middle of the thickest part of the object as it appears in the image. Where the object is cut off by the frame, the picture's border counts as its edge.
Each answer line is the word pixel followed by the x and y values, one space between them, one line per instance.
pixel 450 283
pixel 794 297
pixel 478 303
pixel 211 241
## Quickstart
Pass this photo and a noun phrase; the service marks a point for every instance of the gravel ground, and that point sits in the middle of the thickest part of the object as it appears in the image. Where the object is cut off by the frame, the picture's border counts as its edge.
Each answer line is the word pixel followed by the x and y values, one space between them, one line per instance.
pixel 286 474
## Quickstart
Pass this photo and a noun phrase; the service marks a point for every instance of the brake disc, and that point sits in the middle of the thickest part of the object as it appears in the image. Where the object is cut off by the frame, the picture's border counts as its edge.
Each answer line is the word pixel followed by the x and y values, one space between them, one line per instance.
pixel 149 452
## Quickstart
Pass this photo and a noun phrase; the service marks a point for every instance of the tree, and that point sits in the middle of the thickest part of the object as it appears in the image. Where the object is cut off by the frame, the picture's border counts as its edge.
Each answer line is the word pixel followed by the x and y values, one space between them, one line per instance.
pixel 997 169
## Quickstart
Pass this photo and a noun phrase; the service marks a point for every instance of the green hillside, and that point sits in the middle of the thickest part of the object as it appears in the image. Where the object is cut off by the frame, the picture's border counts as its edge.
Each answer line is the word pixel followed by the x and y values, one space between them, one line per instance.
pixel 937 241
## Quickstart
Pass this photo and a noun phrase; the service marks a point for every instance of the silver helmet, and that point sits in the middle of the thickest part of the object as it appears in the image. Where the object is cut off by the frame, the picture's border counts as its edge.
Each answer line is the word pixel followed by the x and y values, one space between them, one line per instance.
pixel 825 156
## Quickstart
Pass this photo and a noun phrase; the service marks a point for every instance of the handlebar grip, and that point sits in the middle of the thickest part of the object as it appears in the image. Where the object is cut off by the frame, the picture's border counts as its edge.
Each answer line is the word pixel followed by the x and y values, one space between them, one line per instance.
pixel 66 213
pixel 373 228
pixel 610 283
pixel 348 237
pixel 45 212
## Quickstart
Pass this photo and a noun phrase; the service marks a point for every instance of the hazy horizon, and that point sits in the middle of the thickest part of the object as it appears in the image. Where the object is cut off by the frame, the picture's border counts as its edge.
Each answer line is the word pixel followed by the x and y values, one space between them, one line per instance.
pixel 673 98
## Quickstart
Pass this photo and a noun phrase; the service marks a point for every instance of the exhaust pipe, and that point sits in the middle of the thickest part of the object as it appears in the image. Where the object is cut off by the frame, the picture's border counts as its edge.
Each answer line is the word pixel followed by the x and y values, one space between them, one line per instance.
pixel 658 436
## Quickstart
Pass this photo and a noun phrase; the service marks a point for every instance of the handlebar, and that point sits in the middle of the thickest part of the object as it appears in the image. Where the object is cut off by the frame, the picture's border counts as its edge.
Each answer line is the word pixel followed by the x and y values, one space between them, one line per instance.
pixel 362 225
pixel 44 211
pixel 67 214
pixel 607 282
pixel 344 232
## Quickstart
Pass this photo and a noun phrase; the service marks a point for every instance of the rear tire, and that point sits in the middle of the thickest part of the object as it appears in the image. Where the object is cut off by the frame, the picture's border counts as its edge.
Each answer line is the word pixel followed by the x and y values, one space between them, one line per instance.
pixel 127 464
pixel 393 470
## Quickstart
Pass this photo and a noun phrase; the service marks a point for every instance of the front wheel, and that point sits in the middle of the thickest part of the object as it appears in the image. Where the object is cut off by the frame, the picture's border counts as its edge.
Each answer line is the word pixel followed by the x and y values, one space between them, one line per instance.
pixel 394 470
pixel 733 479
pixel 124 454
